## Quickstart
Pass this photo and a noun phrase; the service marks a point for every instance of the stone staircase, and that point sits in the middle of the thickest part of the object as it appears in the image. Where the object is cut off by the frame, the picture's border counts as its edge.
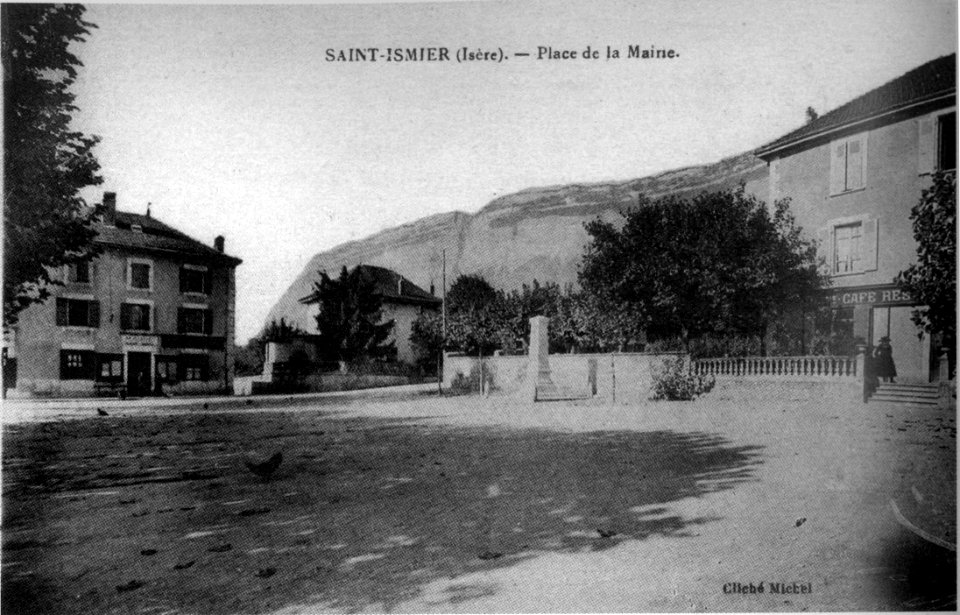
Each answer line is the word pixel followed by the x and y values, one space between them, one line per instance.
pixel 906 393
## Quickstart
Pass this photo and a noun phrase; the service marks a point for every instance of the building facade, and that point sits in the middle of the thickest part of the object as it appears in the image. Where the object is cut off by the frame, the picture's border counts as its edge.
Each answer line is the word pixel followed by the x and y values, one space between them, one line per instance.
pixel 852 176
pixel 402 301
pixel 153 312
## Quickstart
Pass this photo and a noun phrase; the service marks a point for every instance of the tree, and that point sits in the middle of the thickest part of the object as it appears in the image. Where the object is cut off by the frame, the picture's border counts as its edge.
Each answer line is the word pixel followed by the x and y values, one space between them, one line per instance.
pixel 718 263
pixel 349 318
pixel 426 335
pixel 932 281
pixel 46 163
pixel 469 292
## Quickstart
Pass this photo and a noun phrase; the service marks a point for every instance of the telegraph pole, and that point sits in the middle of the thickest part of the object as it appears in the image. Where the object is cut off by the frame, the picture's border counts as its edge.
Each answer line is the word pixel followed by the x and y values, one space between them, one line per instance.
pixel 443 341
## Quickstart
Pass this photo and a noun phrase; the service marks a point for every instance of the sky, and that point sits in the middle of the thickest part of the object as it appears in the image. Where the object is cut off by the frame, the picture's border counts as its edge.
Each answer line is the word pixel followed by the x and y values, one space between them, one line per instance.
pixel 230 120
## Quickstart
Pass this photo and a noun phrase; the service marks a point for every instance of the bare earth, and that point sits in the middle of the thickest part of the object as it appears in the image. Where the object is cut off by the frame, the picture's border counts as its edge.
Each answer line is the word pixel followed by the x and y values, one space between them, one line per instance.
pixel 410 502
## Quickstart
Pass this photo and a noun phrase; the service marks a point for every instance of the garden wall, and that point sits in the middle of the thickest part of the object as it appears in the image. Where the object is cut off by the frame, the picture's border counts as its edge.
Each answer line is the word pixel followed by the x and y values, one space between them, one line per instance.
pixel 621 375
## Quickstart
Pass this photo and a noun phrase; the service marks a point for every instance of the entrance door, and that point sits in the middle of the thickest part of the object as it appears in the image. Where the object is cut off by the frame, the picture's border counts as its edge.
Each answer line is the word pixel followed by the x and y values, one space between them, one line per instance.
pixel 911 351
pixel 138 373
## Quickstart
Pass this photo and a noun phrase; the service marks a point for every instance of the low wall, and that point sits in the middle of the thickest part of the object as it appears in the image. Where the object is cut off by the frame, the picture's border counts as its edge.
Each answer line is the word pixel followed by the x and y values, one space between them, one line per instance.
pixel 619 375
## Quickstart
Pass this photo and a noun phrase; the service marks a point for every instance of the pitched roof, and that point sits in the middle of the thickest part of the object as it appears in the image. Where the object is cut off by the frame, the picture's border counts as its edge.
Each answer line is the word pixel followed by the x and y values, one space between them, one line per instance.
pixel 928 82
pixel 391 287
pixel 155 236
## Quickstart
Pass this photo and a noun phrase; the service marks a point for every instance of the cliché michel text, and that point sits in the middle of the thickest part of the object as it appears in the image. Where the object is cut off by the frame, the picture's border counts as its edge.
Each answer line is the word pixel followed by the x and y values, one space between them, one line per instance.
pixel 773 588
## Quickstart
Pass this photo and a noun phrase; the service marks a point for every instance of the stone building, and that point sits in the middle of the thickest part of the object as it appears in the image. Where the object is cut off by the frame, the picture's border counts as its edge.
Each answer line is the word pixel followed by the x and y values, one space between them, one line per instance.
pixel 154 311
pixel 853 175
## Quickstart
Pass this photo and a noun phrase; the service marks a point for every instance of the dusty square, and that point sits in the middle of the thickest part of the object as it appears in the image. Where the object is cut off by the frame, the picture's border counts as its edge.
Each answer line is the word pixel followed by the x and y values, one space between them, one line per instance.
pixel 417 503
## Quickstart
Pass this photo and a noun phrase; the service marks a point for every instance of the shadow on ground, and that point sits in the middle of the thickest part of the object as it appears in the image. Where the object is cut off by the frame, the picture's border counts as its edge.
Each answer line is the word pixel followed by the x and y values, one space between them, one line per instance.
pixel 157 514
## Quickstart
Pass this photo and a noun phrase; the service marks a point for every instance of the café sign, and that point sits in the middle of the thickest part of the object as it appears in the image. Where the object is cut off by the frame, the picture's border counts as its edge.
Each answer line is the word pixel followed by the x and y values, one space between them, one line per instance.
pixel 879 295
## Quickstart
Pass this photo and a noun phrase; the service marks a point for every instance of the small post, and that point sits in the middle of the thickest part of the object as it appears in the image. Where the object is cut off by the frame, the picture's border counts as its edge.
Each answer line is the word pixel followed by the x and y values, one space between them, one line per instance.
pixel 862 368
pixel 944 373
pixel 613 378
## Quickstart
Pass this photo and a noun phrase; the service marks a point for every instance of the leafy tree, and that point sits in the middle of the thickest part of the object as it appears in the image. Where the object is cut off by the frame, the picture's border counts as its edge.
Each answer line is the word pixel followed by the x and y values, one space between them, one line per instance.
pixel 46 163
pixel 280 331
pixel 349 318
pixel 932 281
pixel 469 292
pixel 426 335
pixel 718 263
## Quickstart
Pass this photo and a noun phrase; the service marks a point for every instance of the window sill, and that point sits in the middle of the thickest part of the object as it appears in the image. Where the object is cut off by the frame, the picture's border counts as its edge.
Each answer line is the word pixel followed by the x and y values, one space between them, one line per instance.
pixel 139 290
pixel 136 332
pixel 79 328
pixel 846 192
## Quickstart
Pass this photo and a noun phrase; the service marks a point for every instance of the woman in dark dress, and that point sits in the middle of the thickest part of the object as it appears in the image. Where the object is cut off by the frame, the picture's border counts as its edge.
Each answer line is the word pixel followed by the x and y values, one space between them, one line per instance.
pixel 884 360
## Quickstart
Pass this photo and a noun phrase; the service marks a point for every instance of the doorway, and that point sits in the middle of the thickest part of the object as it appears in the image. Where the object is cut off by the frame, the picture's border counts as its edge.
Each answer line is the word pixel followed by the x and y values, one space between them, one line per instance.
pixel 139 381
pixel 911 350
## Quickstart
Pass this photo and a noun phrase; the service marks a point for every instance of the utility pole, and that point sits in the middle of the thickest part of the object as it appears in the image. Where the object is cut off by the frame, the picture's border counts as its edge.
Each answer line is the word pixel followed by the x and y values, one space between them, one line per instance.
pixel 443 340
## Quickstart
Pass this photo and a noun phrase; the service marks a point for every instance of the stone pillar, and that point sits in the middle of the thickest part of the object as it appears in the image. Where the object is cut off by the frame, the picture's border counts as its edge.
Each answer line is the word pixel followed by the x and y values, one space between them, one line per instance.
pixel 944 375
pixel 865 372
pixel 539 360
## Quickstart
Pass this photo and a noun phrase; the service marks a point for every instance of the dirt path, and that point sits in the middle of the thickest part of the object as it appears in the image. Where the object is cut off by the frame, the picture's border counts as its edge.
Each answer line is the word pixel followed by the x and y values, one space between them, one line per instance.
pixel 466 504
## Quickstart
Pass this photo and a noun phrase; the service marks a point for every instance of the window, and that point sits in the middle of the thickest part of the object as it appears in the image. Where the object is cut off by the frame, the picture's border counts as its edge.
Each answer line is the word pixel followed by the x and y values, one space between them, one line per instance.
pixel 195 320
pixel 848 248
pixel 77 313
pixel 193 367
pixel 848 163
pixel 166 369
pixel 139 274
pixel 194 279
pixel 947 141
pixel 76 365
pixel 135 317
pixel 109 367
pixel 79 273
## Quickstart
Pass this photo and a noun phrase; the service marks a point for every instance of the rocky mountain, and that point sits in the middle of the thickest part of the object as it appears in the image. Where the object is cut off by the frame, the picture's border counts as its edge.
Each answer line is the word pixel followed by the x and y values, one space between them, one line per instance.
pixel 537 233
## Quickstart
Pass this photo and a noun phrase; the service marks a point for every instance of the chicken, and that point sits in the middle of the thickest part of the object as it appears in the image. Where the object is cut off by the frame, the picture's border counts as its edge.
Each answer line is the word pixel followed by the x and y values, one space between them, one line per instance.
pixel 102 412
pixel 265 469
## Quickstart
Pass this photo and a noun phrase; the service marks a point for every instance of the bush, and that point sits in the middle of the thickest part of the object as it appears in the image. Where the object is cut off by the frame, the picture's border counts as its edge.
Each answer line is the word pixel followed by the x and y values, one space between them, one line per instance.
pixel 674 382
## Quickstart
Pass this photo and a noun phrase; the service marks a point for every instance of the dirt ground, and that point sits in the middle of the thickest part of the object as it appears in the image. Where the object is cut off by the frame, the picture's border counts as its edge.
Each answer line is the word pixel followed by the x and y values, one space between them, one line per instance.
pixel 414 503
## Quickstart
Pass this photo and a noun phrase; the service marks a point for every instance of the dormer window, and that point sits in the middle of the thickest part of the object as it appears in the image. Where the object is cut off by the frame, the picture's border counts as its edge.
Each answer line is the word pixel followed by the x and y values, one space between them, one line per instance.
pixel 136 228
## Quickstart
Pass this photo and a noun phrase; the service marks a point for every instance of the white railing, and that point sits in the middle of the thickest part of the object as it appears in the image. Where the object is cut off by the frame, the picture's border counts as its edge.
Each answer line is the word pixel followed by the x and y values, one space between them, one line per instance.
pixel 798 368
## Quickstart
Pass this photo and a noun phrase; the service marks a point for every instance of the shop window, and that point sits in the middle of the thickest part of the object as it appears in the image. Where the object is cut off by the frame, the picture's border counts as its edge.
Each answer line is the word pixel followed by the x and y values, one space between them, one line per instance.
pixel 77 313
pixel 110 367
pixel 848 164
pixel 135 317
pixel 193 367
pixel 198 321
pixel 166 369
pixel 76 365
pixel 194 279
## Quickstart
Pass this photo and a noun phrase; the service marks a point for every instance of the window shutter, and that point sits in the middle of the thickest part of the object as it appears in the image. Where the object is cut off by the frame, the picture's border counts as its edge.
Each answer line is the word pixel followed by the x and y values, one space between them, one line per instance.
pixel 825 249
pixel 207 281
pixel 204 365
pixel 61 312
pixel 89 365
pixel 870 234
pixel 927 145
pixel 181 366
pixel 838 163
pixel 125 316
pixel 63 365
pixel 183 280
pixel 93 313
pixel 208 322
pixel 181 323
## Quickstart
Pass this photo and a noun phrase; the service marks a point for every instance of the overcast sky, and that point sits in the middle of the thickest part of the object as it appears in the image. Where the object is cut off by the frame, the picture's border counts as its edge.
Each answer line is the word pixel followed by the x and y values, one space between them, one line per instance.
pixel 230 120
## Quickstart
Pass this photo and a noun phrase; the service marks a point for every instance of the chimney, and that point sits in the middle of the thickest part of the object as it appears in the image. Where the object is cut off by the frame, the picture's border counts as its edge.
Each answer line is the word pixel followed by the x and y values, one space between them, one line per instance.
pixel 399 285
pixel 218 243
pixel 109 208
pixel 431 287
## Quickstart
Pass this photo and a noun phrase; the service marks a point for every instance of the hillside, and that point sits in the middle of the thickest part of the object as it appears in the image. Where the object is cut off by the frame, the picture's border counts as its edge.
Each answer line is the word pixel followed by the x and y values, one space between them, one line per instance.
pixel 537 233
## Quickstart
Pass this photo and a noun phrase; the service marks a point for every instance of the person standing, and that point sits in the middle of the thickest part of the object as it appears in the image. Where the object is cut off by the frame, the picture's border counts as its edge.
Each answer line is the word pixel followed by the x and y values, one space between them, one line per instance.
pixel 886 369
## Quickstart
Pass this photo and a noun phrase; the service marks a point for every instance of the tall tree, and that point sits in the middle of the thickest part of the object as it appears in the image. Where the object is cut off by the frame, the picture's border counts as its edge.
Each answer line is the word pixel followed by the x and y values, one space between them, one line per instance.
pixel 469 292
pixel 349 318
pixel 46 162
pixel 932 280
pixel 718 263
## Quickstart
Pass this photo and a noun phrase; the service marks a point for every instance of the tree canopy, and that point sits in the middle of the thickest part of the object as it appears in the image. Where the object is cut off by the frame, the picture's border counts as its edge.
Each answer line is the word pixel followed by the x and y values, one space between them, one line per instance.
pixel 719 263
pixel 46 162
pixel 932 280
pixel 349 318
pixel 469 292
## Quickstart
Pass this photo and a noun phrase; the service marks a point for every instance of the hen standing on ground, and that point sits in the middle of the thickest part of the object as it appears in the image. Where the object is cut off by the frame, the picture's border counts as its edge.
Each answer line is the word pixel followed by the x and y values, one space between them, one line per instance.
pixel 265 469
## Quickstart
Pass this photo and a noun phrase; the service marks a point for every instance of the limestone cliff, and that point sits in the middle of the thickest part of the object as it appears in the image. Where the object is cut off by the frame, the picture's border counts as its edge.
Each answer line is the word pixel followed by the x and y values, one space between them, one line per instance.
pixel 537 233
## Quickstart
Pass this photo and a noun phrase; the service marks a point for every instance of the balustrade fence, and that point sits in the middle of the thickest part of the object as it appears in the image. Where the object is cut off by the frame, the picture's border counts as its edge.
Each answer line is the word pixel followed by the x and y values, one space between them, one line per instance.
pixel 796 368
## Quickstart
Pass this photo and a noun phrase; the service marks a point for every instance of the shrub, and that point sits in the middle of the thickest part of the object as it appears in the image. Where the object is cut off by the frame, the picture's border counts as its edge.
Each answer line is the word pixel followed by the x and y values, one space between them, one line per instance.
pixel 674 382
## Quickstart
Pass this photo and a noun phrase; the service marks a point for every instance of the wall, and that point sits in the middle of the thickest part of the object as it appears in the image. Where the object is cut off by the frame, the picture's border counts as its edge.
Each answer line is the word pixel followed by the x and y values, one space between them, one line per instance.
pixel 628 376
pixel 404 316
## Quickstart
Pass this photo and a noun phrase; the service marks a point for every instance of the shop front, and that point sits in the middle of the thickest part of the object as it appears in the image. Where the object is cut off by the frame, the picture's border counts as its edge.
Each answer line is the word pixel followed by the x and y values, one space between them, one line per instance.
pixel 885 311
